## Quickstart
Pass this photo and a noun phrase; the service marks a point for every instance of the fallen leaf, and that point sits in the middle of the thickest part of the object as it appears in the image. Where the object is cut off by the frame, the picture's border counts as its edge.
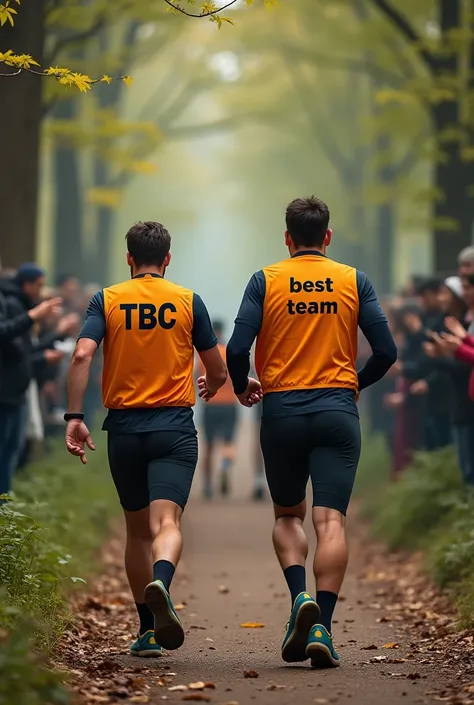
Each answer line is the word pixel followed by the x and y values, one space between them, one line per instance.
pixel 391 645
pixel 140 699
pixel 179 606
pixel 372 647
pixel 321 700
pixel 378 659
pixel 211 686
pixel 413 676
pixel 252 625
pixel 396 675
pixel 223 589
pixel 175 688
pixel 276 687
pixel 231 702
pixel 250 674
pixel 200 685
pixel 208 638
pixel 200 697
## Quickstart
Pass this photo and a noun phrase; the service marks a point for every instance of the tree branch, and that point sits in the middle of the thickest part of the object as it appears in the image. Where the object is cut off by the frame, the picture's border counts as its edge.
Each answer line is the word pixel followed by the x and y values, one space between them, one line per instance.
pixel 406 29
pixel 210 13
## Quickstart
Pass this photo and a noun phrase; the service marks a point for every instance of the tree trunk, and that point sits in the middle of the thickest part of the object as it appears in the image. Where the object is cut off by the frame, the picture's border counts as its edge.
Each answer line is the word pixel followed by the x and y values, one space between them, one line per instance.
pixel 68 245
pixel 384 226
pixel 454 209
pixel 97 267
pixel 20 123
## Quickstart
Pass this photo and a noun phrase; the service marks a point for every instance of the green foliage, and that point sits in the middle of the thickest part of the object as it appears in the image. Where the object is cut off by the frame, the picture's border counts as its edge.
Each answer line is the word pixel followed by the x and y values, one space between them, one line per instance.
pixel 427 509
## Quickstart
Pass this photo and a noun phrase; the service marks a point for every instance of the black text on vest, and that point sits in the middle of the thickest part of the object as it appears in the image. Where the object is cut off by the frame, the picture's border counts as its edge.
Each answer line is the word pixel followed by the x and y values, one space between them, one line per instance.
pixel 148 316
pixel 308 287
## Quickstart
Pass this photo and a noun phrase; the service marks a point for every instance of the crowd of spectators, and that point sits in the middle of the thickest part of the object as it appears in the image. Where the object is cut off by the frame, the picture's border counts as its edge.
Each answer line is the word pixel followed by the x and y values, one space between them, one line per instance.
pixel 427 400
pixel 38 328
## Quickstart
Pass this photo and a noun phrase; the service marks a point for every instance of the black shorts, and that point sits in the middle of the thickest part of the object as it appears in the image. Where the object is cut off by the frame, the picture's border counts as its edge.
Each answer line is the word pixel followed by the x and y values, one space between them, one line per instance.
pixel 219 422
pixel 323 446
pixel 153 465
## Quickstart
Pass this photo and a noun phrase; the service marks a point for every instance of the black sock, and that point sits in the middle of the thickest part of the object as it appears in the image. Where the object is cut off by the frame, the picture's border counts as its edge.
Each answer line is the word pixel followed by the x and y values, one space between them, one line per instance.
pixel 147 620
pixel 327 604
pixel 164 571
pixel 295 577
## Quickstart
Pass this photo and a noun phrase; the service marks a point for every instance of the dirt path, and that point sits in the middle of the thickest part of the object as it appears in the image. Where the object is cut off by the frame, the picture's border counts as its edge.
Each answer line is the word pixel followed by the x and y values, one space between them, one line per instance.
pixel 232 577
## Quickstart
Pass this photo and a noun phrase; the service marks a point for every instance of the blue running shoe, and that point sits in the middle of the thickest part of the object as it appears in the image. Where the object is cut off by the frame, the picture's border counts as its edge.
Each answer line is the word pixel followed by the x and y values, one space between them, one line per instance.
pixel 146 646
pixel 320 648
pixel 304 615
pixel 169 631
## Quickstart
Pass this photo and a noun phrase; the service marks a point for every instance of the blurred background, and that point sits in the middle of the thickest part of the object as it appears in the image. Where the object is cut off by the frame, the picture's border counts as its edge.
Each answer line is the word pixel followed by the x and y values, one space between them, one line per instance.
pixel 368 104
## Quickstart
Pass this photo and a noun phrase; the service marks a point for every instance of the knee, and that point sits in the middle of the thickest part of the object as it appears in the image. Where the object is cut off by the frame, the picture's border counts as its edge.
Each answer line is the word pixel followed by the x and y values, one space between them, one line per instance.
pixel 164 523
pixel 329 524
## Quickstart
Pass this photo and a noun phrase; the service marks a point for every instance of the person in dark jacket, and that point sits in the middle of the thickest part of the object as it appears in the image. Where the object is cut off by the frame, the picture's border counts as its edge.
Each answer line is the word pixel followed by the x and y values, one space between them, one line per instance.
pixel 19 310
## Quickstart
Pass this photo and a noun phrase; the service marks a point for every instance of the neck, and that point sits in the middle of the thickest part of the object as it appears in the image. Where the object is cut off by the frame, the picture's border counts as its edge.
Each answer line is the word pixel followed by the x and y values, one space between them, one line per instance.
pixel 148 269
pixel 307 248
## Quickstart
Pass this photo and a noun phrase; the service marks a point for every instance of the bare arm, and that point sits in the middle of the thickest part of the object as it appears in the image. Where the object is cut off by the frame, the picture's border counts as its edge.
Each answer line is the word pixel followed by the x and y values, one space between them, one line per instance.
pixel 216 372
pixel 78 375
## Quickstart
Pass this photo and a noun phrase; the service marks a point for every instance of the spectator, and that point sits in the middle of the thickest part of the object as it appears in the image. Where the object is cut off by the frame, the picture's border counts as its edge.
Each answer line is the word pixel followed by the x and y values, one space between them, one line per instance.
pixel 19 310
pixel 69 289
pixel 466 261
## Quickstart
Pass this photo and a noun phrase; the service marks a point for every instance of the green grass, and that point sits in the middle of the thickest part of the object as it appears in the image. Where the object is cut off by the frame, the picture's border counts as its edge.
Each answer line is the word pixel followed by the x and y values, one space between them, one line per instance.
pixel 49 536
pixel 427 509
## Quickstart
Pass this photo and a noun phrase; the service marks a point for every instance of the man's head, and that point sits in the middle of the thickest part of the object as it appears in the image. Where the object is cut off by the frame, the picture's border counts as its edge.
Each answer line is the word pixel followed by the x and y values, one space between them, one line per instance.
pixel 466 261
pixel 468 291
pixel 30 279
pixel 69 288
pixel 428 294
pixel 148 247
pixel 307 225
pixel 218 327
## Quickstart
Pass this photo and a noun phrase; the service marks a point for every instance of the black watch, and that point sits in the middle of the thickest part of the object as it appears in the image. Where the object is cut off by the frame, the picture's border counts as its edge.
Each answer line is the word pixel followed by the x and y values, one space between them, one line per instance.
pixel 74 417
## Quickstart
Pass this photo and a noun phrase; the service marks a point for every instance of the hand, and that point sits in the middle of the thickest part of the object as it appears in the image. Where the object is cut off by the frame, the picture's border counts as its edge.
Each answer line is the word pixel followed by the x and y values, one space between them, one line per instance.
pixel 205 391
pixel 77 434
pixel 253 393
pixel 67 324
pixel 394 400
pixel 450 343
pixel 455 327
pixel 52 357
pixel 419 387
pixel 413 322
pixel 430 349
pixel 51 307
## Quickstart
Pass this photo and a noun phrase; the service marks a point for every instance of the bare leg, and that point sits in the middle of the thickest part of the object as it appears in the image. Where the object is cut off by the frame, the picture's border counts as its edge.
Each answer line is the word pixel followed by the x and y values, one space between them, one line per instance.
pixel 165 518
pixel 138 556
pixel 330 560
pixel 289 538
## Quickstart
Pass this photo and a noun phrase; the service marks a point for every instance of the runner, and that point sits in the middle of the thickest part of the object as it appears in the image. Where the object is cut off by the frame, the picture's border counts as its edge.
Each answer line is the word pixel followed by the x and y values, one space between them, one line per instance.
pixel 149 327
pixel 220 419
pixel 305 312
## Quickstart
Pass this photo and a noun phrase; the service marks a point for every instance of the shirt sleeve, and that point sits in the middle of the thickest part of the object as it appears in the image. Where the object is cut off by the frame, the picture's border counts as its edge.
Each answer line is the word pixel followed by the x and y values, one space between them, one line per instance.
pixel 247 326
pixel 203 334
pixel 94 324
pixel 373 324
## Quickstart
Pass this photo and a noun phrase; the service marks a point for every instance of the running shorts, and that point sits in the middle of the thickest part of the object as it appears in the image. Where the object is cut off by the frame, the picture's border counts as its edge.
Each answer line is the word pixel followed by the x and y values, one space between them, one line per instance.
pixel 220 421
pixel 322 446
pixel 152 465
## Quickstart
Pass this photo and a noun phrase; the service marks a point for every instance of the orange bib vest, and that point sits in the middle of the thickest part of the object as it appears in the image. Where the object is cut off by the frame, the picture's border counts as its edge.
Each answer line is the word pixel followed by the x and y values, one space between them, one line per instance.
pixel 148 348
pixel 308 337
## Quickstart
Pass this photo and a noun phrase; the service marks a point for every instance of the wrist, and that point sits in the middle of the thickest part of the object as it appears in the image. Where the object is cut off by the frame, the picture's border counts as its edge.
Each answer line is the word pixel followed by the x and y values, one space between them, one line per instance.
pixel 73 416
pixel 241 388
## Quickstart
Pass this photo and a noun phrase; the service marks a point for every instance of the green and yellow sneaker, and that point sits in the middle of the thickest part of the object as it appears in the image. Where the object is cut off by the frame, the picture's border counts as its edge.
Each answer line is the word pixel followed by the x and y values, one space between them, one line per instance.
pixel 169 631
pixel 304 614
pixel 146 646
pixel 320 648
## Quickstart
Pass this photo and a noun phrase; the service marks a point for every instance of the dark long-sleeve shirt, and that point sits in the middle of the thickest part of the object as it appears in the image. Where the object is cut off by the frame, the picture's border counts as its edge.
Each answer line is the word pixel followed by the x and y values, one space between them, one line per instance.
pixel 372 322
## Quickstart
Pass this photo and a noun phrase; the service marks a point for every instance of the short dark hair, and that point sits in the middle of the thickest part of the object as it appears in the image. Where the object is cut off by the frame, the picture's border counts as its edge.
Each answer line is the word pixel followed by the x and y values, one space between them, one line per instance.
pixel 307 221
pixel 432 284
pixel 148 243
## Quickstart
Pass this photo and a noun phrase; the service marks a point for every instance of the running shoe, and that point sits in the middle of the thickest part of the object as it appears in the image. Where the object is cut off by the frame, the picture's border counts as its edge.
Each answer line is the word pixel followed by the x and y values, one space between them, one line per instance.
pixel 169 631
pixel 320 648
pixel 146 646
pixel 304 614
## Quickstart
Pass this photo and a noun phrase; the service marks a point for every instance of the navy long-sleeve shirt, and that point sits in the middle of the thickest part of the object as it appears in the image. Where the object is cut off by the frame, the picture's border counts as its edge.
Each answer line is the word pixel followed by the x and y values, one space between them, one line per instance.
pixel 372 322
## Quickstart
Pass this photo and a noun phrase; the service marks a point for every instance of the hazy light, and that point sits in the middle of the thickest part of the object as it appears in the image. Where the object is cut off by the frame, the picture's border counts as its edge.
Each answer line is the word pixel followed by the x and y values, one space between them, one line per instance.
pixel 432 29
pixel 145 31
pixel 226 64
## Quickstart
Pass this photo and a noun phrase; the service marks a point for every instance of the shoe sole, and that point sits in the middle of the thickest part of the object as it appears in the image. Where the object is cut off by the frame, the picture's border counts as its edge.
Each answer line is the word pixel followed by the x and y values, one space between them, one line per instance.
pixel 295 648
pixel 321 656
pixel 169 632
pixel 147 653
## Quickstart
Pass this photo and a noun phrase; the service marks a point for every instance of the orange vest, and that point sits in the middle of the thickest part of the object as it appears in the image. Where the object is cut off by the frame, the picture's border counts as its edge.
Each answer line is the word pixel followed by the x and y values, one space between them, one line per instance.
pixel 225 395
pixel 148 348
pixel 308 338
